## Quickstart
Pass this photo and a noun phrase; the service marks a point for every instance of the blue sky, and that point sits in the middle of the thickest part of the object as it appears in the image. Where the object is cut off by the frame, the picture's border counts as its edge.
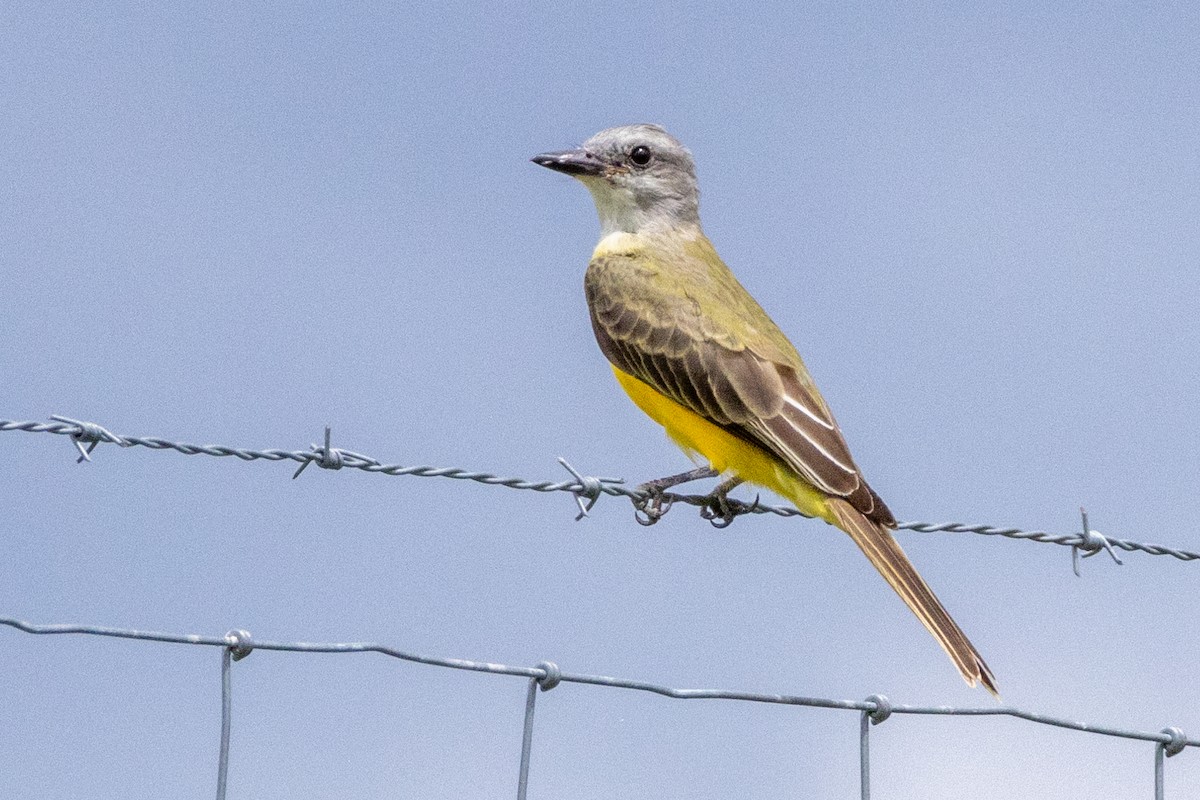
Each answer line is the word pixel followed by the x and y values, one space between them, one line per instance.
pixel 235 224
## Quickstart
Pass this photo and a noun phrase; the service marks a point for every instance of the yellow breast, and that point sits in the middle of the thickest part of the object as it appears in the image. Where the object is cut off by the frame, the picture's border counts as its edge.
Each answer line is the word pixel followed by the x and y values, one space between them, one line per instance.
pixel 724 452
pixel 618 243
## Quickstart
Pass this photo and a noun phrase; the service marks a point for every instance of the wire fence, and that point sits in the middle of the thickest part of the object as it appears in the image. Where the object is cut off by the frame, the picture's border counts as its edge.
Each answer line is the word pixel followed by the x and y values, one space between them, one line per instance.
pixel 649 506
pixel 237 644
pixel 587 490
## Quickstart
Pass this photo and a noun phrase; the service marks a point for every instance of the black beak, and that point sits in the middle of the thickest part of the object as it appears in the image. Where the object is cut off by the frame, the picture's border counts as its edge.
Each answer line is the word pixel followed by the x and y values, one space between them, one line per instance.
pixel 571 162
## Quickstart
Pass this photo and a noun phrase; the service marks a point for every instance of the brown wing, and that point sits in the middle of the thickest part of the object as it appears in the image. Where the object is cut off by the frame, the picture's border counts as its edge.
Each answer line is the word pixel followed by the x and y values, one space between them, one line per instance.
pixel 753 385
pixel 730 364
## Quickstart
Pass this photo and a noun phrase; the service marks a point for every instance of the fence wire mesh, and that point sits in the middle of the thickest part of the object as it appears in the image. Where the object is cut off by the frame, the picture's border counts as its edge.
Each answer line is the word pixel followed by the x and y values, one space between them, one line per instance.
pixel 874 710
pixel 586 491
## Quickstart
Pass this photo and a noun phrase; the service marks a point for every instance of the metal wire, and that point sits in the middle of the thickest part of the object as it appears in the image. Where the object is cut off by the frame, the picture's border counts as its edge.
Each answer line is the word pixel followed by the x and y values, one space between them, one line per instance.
pixel 882 710
pixel 526 740
pixel 864 755
pixel 226 721
pixel 546 675
pixel 584 488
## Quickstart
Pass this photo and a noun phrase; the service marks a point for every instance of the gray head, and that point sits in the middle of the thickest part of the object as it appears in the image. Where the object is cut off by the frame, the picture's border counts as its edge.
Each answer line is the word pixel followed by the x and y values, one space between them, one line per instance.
pixel 640 176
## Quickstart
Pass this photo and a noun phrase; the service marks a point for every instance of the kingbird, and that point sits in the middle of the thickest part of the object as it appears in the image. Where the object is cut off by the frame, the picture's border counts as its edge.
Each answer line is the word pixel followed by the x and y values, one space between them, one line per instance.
pixel 698 355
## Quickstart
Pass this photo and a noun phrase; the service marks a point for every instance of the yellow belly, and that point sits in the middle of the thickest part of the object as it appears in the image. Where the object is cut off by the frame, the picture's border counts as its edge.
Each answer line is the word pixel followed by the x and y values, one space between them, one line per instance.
pixel 724 452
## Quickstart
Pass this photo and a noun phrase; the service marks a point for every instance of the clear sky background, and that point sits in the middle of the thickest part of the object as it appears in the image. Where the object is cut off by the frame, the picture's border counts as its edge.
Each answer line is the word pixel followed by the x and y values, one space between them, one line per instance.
pixel 238 225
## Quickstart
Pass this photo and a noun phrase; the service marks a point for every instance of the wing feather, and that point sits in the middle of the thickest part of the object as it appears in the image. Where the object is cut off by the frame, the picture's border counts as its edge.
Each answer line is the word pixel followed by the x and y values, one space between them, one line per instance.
pixel 752 383
pixel 765 398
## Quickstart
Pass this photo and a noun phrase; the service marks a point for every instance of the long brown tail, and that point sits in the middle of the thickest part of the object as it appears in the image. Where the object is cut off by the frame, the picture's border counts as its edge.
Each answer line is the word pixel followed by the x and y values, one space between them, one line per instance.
pixel 884 551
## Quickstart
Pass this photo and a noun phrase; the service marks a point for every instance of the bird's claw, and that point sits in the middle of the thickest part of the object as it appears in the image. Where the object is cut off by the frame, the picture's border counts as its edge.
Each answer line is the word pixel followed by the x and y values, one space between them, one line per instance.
pixel 653 506
pixel 720 510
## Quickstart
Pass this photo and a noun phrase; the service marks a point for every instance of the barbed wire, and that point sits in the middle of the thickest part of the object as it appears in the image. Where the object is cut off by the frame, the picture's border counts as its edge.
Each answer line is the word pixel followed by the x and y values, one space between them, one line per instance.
pixel 237 644
pixel 649 505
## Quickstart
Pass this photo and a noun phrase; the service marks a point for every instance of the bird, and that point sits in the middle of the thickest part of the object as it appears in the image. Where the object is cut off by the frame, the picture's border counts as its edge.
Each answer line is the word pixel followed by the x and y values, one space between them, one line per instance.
pixel 700 357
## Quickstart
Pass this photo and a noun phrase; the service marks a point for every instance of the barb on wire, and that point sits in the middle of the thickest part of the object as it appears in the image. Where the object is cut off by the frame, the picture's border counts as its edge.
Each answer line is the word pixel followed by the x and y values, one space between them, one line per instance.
pixel 1091 543
pixel 91 433
pixel 581 486
pixel 590 489
pixel 328 457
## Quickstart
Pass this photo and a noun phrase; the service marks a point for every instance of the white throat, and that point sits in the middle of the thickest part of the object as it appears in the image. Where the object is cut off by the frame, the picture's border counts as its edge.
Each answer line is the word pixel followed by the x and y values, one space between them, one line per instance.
pixel 621 212
pixel 617 207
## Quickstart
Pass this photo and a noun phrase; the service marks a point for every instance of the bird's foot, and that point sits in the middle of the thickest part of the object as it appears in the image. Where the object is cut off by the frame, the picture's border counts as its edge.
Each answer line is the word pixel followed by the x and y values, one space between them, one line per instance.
pixel 654 502
pixel 652 507
pixel 719 509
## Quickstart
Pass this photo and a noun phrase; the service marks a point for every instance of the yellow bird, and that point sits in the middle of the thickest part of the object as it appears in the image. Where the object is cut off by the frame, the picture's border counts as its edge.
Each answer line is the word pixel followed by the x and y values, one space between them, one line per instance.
pixel 697 354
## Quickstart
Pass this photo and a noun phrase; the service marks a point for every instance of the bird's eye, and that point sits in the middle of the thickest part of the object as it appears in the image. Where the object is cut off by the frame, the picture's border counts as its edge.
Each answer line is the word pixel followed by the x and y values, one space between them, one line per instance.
pixel 640 155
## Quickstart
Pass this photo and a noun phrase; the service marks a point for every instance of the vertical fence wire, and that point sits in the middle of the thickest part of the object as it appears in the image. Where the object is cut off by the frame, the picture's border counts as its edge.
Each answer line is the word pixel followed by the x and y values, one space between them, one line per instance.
pixel 550 677
pixel 879 710
pixel 1158 772
pixel 527 739
pixel 226 716
pixel 864 754
pixel 1163 750
pixel 238 645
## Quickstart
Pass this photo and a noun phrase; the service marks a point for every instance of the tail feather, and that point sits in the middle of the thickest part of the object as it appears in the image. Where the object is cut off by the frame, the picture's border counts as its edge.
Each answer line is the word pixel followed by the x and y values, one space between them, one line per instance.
pixel 884 552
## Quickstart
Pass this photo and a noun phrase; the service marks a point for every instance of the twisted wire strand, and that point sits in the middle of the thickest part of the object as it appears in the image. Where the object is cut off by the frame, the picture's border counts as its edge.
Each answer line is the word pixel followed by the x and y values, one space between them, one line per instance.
pixel 582 487
pixel 549 675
